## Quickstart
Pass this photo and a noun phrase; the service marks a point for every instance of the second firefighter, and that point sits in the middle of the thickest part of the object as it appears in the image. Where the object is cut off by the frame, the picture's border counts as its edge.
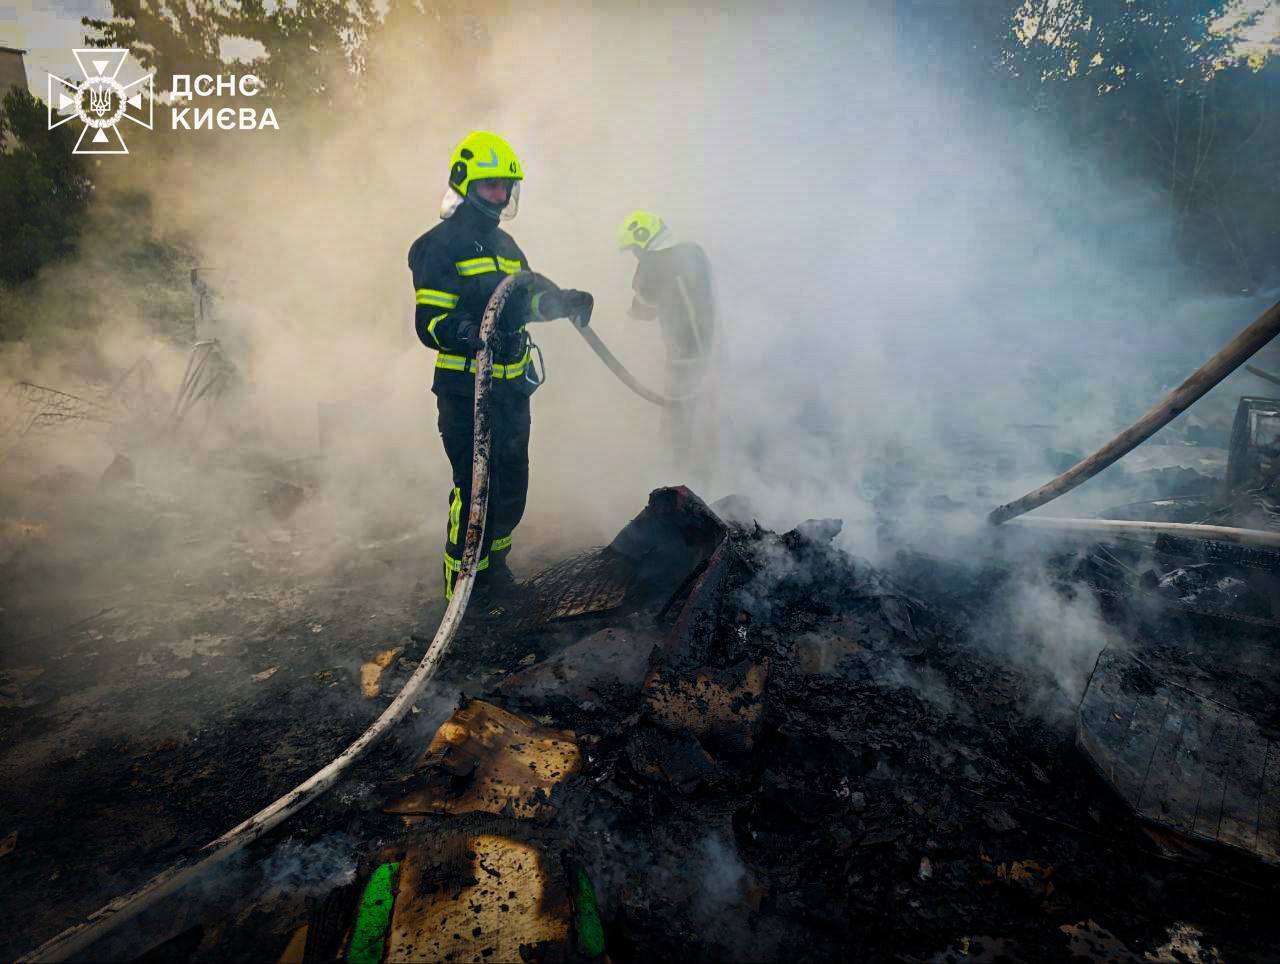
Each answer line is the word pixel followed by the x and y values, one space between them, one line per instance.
pixel 673 286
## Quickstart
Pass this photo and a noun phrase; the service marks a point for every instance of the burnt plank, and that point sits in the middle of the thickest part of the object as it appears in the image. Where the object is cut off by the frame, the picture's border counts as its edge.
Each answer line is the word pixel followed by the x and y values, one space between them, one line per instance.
pixel 1213 784
pixel 1153 802
pixel 1239 825
pixel 592 581
pixel 1181 760
pixel 1269 806
pixel 1110 718
pixel 1200 722
pixel 1133 761
pixel 1106 712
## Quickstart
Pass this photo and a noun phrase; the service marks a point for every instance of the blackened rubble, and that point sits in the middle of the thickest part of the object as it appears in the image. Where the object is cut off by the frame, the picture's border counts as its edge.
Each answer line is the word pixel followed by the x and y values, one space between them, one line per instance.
pixel 838 770
pixel 783 752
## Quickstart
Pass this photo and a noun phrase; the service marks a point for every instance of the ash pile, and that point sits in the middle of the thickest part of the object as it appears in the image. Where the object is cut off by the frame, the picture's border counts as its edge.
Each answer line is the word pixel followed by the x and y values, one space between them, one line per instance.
pixel 752 746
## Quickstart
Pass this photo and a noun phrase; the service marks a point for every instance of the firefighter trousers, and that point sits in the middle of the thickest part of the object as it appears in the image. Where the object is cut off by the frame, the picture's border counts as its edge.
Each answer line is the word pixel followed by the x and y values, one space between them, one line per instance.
pixel 689 427
pixel 508 479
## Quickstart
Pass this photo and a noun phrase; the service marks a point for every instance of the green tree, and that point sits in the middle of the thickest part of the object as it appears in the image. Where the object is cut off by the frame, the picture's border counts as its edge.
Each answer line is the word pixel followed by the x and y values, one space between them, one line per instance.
pixel 308 46
pixel 304 44
pixel 312 50
pixel 1235 215
pixel 164 36
pixel 44 188
pixel 1158 90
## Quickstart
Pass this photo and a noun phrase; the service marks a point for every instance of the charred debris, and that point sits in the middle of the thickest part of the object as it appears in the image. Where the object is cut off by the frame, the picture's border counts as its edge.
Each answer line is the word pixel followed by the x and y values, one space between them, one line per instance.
pixel 709 741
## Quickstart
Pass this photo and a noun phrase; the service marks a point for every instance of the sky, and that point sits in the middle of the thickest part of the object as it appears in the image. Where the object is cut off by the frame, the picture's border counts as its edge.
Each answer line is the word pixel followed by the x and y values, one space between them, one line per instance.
pixel 48 30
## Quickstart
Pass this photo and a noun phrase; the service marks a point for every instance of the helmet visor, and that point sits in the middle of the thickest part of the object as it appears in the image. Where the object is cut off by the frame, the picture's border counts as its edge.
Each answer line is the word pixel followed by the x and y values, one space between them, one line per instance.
pixel 498 197
pixel 495 196
pixel 513 205
pixel 450 203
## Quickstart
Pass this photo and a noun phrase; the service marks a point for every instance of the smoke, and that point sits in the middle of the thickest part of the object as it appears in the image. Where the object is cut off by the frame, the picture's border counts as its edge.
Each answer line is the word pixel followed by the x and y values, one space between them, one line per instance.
pixel 721 903
pixel 907 270
pixel 1050 631
pixel 723 878
pixel 308 867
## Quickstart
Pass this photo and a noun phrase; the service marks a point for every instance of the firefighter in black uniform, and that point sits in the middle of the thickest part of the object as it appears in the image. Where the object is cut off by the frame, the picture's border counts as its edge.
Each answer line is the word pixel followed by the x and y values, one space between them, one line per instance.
pixel 456 267
pixel 672 284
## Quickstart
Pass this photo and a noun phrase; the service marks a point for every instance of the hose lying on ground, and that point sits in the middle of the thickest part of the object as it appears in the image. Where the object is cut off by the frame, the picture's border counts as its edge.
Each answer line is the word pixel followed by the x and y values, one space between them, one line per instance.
pixel 1265 376
pixel 1259 538
pixel 1238 350
pixel 125 908
pixel 624 376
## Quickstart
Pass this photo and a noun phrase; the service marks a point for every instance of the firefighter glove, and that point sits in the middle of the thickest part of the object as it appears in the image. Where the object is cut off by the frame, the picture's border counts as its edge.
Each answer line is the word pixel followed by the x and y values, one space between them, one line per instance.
pixel 470 336
pixel 566 303
pixel 577 306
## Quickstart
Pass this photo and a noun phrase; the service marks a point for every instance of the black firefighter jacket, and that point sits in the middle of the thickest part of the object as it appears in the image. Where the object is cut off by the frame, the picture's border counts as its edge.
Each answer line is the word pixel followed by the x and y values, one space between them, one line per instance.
pixel 456 267
pixel 674 285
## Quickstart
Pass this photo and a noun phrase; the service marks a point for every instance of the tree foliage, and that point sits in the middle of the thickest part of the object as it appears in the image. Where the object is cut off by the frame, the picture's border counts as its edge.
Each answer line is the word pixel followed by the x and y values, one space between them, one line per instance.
pixel 1153 91
pixel 164 36
pixel 309 51
pixel 317 59
pixel 1162 92
pixel 44 188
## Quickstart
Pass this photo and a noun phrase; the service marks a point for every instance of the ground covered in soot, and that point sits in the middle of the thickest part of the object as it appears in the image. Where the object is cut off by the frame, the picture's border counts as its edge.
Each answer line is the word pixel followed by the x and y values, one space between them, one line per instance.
pixel 830 766
pixel 797 756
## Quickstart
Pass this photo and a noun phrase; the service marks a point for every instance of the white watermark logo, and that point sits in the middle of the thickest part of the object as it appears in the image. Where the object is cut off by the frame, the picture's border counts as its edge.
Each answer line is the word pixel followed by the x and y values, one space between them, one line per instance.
pixel 100 101
pixel 226 118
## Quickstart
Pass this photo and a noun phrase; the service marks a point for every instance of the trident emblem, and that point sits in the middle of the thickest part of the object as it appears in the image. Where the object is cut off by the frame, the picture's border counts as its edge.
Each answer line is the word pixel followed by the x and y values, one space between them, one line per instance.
pixel 100 101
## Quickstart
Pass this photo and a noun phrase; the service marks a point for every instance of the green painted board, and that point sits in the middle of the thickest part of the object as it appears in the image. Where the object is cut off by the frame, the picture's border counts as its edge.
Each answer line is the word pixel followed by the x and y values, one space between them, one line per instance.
pixel 369 935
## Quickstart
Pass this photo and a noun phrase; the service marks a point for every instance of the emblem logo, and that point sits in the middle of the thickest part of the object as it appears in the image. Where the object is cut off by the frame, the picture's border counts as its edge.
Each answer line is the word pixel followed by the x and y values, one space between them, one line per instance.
pixel 100 101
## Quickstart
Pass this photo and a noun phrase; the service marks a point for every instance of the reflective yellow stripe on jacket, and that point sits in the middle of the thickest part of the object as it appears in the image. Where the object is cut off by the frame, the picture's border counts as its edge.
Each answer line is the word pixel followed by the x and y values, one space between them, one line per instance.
pixel 438 299
pixel 473 266
pixel 460 363
pixel 486 265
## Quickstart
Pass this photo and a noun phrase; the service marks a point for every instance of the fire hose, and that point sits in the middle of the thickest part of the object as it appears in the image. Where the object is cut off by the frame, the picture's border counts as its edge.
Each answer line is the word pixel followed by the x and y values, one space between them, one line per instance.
pixel 1232 356
pixel 611 362
pixel 620 370
pixel 1100 528
pixel 125 908
pixel 1265 376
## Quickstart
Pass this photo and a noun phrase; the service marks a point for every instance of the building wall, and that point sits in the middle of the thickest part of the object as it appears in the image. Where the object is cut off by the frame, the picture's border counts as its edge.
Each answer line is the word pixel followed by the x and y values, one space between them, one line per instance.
pixel 13 73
